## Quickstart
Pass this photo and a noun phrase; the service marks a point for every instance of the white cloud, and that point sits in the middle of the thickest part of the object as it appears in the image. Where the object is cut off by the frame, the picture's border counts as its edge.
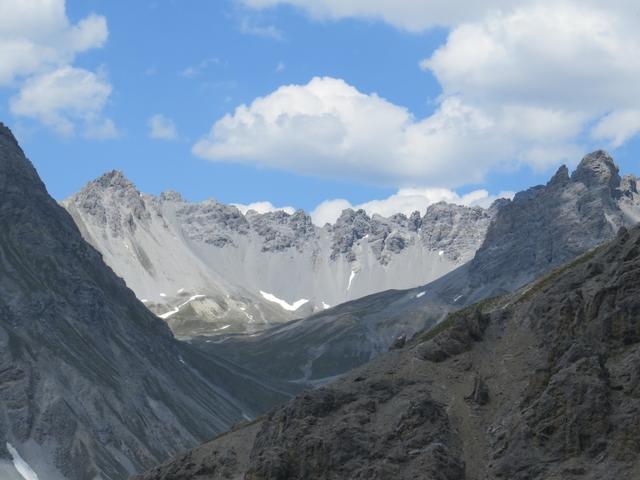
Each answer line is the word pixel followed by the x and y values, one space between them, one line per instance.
pixel 65 97
pixel 407 201
pixel 618 127
pixel 262 207
pixel 559 56
pixel 328 128
pixel 38 44
pixel 547 71
pixel 36 35
pixel 162 128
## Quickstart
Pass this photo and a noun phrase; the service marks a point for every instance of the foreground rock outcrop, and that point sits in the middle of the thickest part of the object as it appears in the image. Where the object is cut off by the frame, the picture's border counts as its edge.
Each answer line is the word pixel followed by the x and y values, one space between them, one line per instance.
pixel 539 384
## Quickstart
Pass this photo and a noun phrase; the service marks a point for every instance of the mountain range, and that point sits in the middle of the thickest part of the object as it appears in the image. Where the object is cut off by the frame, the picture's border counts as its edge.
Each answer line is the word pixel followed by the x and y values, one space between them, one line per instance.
pixel 208 269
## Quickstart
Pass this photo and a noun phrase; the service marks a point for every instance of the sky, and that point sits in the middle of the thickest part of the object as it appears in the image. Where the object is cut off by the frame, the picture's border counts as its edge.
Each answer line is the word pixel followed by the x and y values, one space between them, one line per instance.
pixel 389 105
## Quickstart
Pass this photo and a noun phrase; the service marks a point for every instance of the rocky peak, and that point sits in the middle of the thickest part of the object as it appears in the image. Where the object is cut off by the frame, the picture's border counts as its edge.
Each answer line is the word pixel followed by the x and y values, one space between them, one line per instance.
pixel 597 169
pixel 560 178
pixel 549 224
pixel 115 179
pixel 171 196
pixel 114 200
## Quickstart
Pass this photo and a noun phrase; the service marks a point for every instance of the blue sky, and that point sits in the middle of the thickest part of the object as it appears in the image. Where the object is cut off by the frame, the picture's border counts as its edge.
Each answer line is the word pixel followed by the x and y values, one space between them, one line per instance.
pixel 194 61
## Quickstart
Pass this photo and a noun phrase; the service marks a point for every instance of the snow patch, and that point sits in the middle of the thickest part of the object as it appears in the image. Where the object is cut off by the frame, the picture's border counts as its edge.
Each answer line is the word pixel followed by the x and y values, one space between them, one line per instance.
pixel 181 359
pixel 325 306
pixel 164 316
pixel 221 328
pixel 421 294
pixel 441 252
pixel 181 290
pixel 163 295
pixel 21 466
pixel 287 306
pixel 457 298
pixel 144 300
pixel 351 277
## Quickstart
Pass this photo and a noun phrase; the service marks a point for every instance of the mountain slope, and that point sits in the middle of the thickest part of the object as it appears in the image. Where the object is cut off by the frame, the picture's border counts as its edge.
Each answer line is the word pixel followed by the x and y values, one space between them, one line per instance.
pixel 93 385
pixel 540 229
pixel 208 269
pixel 539 384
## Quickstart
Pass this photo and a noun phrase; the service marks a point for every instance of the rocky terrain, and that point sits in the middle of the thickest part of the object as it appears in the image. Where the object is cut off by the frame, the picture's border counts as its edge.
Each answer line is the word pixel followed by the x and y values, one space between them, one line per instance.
pixel 542 383
pixel 92 384
pixel 540 229
pixel 208 269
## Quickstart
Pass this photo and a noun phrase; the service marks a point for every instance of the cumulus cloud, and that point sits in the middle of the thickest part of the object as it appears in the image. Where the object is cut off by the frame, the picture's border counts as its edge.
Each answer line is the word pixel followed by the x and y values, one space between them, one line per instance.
pixel 162 128
pixel 407 201
pixel 329 128
pixel 262 207
pixel 36 35
pixel 64 97
pixel 38 44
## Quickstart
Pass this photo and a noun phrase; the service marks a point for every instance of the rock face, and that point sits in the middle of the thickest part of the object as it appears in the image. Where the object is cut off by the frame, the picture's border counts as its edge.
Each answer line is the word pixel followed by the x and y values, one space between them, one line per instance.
pixel 537 231
pixel 208 269
pixel 538 384
pixel 549 225
pixel 92 384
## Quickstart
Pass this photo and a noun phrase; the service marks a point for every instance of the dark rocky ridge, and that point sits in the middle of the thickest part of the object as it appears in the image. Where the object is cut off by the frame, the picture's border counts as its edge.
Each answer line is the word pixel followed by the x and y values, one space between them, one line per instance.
pixel 91 383
pixel 539 384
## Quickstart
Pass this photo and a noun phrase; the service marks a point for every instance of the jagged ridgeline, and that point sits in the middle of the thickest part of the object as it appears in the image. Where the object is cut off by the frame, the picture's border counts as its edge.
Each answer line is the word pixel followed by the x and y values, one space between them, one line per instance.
pixel 92 384
pixel 208 269
pixel 539 384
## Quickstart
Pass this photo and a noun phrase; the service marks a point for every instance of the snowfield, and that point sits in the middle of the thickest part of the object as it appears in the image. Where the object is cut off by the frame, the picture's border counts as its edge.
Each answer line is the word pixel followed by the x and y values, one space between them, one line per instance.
pixel 284 304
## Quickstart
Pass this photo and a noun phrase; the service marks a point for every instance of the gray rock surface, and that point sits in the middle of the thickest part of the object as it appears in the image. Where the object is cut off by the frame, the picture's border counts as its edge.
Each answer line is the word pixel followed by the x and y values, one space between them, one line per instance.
pixel 92 384
pixel 238 266
pixel 548 225
pixel 538 384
